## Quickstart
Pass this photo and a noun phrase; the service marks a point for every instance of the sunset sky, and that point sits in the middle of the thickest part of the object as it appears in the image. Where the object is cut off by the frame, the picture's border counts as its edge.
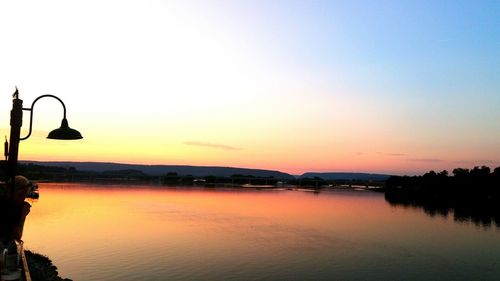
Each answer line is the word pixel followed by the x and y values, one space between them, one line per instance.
pixel 366 86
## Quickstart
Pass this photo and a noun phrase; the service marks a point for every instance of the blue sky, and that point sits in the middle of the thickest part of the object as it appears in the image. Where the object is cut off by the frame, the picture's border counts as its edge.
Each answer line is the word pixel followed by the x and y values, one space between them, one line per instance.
pixel 379 86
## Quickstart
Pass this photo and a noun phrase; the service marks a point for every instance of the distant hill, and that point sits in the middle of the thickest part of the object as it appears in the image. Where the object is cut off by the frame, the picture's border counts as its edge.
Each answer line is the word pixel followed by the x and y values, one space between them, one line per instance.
pixel 157 170
pixel 347 176
pixel 201 171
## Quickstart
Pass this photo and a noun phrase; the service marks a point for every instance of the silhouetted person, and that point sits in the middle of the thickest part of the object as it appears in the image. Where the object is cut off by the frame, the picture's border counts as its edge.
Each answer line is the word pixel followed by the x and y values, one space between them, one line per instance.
pixel 13 209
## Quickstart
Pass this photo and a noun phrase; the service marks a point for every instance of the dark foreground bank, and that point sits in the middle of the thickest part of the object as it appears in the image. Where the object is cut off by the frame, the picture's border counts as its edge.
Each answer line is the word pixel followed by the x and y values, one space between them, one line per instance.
pixel 470 195
pixel 42 269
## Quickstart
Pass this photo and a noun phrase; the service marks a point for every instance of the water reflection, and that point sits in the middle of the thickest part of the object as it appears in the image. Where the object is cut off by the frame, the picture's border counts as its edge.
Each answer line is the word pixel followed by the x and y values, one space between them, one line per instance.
pixel 96 232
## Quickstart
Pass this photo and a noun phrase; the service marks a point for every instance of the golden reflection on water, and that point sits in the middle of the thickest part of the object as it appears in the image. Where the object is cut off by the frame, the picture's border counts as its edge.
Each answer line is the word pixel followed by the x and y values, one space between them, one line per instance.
pixel 105 232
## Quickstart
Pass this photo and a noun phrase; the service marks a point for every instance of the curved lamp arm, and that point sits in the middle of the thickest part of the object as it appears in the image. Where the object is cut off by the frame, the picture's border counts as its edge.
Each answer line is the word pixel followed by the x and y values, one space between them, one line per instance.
pixel 31 111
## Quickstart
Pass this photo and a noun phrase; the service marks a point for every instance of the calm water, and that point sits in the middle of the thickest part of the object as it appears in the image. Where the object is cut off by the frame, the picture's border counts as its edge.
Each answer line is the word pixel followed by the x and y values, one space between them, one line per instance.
pixel 102 232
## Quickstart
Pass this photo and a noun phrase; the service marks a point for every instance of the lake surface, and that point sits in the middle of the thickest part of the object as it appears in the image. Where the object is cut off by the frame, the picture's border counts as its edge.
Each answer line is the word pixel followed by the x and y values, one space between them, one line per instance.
pixel 133 232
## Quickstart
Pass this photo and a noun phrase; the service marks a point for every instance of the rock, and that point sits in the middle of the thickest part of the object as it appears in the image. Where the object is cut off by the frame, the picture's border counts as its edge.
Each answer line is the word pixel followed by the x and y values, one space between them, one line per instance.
pixel 41 268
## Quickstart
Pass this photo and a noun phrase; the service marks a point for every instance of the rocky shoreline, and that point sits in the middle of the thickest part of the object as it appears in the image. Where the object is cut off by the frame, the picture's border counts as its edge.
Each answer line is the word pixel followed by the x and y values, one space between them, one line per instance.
pixel 42 268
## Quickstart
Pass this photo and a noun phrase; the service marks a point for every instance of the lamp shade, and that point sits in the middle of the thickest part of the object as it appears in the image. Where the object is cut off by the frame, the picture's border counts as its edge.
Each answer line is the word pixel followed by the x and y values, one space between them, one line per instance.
pixel 65 132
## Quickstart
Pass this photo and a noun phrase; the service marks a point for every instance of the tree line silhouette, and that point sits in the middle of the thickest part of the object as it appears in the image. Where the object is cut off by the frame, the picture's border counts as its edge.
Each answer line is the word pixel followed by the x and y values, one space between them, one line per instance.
pixel 473 195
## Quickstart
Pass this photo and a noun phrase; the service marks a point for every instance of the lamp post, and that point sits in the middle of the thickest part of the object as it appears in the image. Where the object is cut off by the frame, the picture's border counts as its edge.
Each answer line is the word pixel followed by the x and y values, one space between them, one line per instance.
pixel 16 122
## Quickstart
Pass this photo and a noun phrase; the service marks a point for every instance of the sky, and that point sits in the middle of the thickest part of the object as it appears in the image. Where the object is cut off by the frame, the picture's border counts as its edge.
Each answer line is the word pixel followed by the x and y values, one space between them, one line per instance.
pixel 398 87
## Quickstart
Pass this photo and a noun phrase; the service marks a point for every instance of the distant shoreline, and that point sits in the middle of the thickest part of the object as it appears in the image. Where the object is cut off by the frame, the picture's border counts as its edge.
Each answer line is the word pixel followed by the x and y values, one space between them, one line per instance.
pixel 119 184
pixel 199 176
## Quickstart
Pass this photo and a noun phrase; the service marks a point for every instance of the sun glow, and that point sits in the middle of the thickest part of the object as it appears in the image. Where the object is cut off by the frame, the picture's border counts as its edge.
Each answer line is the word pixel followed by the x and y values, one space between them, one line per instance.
pixel 247 85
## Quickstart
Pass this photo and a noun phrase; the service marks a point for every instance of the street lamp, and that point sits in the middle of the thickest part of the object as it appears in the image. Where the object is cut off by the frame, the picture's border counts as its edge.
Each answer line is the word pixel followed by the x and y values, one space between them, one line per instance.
pixel 62 133
pixel 16 122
